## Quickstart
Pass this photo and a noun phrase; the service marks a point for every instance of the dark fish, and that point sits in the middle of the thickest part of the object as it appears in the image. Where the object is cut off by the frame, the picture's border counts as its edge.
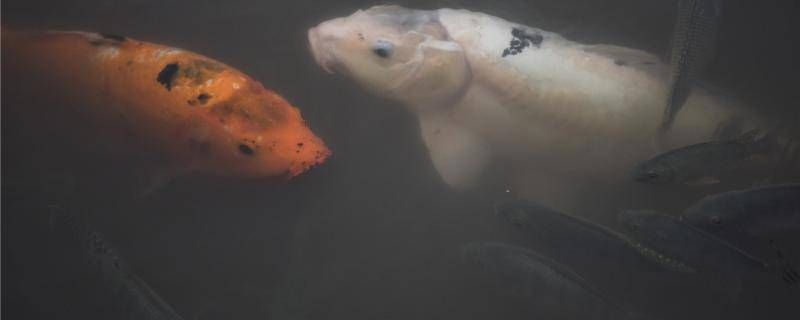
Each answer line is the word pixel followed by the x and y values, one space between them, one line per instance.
pixel 698 249
pixel 691 245
pixel 754 211
pixel 693 43
pixel 580 241
pixel 130 294
pixel 545 281
pixel 705 163
pixel 746 217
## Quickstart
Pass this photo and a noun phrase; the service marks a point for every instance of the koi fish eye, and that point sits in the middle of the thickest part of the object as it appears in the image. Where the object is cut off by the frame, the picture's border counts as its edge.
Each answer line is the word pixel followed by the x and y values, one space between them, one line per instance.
pixel 383 48
pixel 715 220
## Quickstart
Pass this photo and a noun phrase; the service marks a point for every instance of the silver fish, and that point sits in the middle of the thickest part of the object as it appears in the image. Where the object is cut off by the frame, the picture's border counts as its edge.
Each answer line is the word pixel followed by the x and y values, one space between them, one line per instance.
pixel 545 281
pixel 577 240
pixel 756 211
pixel 700 250
pixel 705 163
pixel 693 45
pixel 131 295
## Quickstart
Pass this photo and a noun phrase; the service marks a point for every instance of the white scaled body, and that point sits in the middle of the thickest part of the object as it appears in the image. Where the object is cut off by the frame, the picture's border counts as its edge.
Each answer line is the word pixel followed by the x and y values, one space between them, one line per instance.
pixel 486 89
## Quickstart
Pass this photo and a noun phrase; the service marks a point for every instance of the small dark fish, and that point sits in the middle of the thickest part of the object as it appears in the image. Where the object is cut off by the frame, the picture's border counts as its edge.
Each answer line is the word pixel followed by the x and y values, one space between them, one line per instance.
pixel 693 43
pixel 545 281
pixel 756 211
pixel 130 294
pixel 578 240
pixel 745 217
pixel 691 245
pixel 705 163
pixel 696 248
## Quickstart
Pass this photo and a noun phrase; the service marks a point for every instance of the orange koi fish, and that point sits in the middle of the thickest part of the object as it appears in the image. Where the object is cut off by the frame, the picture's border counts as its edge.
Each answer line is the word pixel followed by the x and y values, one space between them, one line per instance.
pixel 199 114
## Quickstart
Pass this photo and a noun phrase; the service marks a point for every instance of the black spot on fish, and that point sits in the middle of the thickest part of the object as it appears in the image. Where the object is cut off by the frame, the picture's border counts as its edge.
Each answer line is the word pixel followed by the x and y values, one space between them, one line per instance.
pixel 114 37
pixel 620 62
pixel 246 150
pixel 201 99
pixel 299 144
pixel 167 75
pixel 521 40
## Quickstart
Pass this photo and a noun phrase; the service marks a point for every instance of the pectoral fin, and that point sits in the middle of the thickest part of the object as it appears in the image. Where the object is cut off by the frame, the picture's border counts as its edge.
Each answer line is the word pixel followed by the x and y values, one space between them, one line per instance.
pixel 457 153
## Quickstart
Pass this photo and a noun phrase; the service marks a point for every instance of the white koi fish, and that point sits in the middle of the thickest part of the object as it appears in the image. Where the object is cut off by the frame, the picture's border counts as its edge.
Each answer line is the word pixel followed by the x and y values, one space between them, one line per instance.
pixel 487 89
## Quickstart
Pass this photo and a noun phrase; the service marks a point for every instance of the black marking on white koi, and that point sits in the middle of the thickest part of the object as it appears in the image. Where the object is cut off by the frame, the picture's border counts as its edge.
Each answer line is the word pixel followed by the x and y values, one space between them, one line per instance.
pixel 521 40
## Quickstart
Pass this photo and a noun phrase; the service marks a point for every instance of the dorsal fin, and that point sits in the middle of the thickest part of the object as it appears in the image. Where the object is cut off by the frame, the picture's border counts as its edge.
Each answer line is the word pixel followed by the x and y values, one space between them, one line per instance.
pixel 634 58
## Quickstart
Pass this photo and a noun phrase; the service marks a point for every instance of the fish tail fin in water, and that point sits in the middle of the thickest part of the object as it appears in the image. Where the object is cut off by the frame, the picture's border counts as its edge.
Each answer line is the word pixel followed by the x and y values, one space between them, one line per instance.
pixel 693 48
pixel 158 304
pixel 784 268
pixel 132 294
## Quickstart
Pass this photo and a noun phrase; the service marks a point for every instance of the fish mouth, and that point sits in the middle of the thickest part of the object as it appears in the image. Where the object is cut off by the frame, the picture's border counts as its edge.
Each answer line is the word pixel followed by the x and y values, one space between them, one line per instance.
pixel 324 58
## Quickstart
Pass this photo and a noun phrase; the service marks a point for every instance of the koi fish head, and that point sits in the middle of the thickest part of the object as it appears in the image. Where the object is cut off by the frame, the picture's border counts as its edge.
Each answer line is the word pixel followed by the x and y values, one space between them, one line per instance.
pixel 243 130
pixel 394 52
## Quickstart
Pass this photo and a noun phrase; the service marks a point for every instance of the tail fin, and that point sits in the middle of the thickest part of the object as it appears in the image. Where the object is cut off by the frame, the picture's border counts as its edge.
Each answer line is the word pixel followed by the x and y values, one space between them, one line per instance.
pixel 134 296
pixel 784 268
pixel 693 48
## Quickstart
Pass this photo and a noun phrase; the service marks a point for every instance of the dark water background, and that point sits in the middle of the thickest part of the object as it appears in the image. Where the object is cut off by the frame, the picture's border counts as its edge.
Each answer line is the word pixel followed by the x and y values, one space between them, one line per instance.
pixel 371 234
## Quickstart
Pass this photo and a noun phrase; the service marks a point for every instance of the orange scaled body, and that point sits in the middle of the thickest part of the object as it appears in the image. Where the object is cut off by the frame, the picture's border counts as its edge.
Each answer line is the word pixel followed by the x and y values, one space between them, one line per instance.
pixel 198 113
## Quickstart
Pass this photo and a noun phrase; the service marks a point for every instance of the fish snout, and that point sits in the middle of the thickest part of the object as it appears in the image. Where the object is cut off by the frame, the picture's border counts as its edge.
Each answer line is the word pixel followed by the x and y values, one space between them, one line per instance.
pixel 302 151
pixel 314 44
pixel 321 42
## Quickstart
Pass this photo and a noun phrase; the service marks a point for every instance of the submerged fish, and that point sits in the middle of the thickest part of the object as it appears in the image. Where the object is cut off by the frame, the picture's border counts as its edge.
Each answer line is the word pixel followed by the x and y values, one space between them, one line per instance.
pixel 130 295
pixel 544 281
pixel 693 43
pixel 583 242
pixel 198 114
pixel 705 163
pixel 756 211
pixel 700 250
pixel 486 89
